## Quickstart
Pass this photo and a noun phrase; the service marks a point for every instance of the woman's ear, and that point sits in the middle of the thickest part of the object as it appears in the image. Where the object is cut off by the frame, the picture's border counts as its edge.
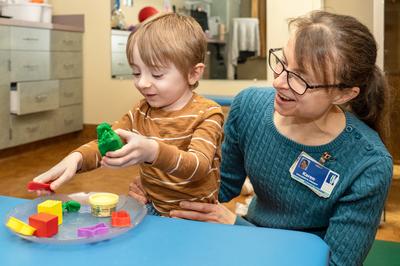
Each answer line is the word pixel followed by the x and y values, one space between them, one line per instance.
pixel 196 73
pixel 346 95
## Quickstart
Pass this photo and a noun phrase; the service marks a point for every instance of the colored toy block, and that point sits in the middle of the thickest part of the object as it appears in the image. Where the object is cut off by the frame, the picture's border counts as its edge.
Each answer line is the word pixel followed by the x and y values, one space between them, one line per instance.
pixel 95 230
pixel 107 139
pixel 46 224
pixel 71 206
pixel 36 186
pixel 120 219
pixel 51 207
pixel 20 227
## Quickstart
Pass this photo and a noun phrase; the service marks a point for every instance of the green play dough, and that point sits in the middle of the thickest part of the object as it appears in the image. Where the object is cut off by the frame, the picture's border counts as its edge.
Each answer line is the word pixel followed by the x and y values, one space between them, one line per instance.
pixel 107 139
pixel 71 206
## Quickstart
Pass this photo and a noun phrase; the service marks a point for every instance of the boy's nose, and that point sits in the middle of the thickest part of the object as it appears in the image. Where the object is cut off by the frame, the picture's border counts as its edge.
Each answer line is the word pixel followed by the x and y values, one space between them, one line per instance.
pixel 144 82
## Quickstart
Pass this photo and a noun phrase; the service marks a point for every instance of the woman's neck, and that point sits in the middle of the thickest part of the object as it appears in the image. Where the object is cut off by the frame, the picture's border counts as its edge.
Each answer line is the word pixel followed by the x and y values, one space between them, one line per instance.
pixel 312 132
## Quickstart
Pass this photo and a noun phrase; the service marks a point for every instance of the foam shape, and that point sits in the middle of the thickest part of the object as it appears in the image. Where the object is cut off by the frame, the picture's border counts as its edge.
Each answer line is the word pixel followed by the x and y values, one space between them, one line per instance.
pixel 95 230
pixel 46 224
pixel 32 185
pixel 51 207
pixel 20 227
pixel 107 139
pixel 120 219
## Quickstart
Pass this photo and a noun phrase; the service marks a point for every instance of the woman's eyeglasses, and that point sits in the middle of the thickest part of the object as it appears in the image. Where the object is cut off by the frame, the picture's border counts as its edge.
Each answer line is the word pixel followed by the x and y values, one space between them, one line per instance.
pixel 296 82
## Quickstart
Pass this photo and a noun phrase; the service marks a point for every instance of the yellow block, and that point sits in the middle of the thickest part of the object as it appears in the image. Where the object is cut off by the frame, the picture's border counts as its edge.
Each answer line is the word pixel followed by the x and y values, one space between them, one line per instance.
pixel 20 227
pixel 52 207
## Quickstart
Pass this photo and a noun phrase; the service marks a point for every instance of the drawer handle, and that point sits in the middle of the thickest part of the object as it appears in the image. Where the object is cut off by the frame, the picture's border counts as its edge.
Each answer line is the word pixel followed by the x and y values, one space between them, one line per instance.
pixel 68 94
pixel 68 66
pixel 41 98
pixel 68 42
pixel 121 44
pixel 68 121
pixel 31 67
pixel 30 39
pixel 32 129
pixel 121 64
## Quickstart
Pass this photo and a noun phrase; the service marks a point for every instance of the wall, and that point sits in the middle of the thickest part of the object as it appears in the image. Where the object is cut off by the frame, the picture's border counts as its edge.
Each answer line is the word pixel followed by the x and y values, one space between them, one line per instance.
pixel 106 99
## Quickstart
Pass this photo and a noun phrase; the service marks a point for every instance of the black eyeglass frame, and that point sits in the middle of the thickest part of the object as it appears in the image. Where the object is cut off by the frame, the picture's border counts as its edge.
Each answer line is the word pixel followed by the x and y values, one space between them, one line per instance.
pixel 308 86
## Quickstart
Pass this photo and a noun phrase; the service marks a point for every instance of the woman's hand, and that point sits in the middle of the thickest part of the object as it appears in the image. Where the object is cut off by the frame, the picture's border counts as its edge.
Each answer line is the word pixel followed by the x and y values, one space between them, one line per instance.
pixel 138 149
pixel 136 191
pixel 207 212
pixel 60 173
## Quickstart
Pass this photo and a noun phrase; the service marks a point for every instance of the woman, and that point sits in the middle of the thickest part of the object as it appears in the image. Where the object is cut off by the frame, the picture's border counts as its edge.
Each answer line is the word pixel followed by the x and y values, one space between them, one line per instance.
pixel 326 108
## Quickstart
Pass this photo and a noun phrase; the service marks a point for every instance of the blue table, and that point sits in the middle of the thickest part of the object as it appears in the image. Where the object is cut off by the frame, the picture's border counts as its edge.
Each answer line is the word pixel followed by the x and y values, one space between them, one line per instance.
pixel 164 241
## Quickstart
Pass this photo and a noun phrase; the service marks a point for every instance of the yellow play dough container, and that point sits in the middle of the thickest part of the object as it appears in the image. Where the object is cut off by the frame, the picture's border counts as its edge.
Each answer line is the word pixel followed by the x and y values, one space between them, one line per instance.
pixel 103 204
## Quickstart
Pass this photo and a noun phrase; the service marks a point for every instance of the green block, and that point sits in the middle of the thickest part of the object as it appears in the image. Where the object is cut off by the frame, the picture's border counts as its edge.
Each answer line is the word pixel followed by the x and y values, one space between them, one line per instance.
pixel 107 139
pixel 71 206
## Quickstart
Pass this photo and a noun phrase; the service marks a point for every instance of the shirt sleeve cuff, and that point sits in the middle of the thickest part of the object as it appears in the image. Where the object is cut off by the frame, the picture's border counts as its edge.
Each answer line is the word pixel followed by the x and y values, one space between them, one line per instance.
pixel 242 221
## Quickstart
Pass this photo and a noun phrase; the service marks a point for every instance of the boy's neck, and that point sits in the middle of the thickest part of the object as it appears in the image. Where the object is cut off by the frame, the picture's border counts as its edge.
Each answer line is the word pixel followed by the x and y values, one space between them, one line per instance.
pixel 180 103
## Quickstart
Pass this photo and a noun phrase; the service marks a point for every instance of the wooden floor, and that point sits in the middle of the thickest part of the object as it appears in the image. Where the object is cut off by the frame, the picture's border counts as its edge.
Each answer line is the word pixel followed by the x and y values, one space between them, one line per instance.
pixel 17 169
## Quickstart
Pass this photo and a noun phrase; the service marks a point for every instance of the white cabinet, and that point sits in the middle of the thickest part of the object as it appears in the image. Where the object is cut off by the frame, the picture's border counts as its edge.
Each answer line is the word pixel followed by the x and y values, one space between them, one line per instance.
pixel 40 84
pixel 119 63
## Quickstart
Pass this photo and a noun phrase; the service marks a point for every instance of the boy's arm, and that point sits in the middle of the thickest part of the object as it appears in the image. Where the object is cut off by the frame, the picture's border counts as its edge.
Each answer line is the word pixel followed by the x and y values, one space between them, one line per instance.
pixel 90 151
pixel 196 161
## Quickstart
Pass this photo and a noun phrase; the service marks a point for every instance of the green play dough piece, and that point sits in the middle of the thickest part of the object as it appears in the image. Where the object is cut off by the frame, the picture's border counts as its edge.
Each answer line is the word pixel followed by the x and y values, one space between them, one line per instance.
pixel 107 139
pixel 71 206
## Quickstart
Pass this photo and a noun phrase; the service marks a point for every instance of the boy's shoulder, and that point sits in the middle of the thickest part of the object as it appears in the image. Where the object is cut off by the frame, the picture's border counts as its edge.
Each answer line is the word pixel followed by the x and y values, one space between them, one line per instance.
pixel 201 103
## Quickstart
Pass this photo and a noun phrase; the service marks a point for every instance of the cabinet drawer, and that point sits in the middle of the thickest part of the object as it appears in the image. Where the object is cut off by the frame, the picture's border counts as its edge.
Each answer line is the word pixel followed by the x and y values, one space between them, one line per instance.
pixel 118 43
pixel 4 68
pixel 5 37
pixel 66 65
pixel 30 39
pixel 4 116
pixel 120 65
pixel 69 119
pixel 28 128
pixel 70 91
pixel 29 66
pixel 33 97
pixel 66 41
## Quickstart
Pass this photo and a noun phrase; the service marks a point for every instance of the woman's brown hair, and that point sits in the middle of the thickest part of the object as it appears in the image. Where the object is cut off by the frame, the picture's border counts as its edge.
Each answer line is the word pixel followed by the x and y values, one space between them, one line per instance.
pixel 340 49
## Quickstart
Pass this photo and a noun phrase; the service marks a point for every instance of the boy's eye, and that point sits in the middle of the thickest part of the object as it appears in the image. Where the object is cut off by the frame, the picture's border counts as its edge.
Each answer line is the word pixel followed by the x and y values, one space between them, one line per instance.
pixel 157 76
pixel 136 74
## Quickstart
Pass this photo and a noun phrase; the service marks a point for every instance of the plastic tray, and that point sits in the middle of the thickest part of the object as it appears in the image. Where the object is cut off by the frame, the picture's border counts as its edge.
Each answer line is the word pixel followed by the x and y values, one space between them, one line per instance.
pixel 67 231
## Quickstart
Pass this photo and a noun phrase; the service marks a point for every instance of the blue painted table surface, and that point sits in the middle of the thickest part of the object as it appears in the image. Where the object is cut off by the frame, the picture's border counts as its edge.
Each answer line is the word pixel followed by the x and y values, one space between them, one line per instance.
pixel 166 241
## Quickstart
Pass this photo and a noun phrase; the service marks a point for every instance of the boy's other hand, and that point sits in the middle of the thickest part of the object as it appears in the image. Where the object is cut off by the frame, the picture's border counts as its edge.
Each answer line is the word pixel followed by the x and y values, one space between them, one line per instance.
pixel 60 173
pixel 136 191
pixel 138 149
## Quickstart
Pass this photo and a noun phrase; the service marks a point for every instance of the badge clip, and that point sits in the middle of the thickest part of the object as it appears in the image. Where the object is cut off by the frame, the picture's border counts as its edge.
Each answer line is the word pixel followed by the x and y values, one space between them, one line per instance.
pixel 326 156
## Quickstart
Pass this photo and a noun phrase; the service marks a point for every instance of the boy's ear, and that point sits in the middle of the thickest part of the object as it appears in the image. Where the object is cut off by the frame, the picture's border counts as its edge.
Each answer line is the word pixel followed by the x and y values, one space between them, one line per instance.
pixel 196 73
pixel 346 95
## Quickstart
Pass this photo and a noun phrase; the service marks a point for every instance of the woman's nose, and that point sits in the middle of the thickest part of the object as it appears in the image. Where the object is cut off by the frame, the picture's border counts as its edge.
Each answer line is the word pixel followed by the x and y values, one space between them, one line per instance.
pixel 280 81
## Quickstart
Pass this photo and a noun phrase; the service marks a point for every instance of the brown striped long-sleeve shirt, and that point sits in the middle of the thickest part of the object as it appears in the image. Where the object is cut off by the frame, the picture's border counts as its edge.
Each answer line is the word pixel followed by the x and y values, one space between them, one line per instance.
pixel 187 165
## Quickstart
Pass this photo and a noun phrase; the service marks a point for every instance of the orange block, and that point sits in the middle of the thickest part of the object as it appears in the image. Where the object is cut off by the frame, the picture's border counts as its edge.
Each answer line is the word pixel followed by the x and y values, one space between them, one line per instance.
pixel 46 224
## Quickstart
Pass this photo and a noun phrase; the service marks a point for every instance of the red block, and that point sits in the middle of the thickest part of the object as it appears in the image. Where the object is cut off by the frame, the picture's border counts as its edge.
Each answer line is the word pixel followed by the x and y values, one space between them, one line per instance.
pixel 120 219
pixel 46 224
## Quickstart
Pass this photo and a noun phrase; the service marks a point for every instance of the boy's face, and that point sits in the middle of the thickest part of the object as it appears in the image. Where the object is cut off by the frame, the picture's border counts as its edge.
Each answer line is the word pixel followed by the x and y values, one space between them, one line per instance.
pixel 164 88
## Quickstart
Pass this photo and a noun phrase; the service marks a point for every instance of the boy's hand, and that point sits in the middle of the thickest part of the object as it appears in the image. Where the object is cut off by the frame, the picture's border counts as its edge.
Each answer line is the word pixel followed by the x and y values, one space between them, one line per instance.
pixel 138 149
pixel 60 173
pixel 136 191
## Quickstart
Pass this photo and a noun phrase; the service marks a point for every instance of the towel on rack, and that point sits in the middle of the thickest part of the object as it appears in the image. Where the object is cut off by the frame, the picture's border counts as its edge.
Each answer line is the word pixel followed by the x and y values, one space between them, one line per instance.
pixel 245 37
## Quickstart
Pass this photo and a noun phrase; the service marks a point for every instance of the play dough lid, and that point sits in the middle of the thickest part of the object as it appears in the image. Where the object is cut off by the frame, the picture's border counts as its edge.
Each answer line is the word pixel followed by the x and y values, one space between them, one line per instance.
pixel 103 199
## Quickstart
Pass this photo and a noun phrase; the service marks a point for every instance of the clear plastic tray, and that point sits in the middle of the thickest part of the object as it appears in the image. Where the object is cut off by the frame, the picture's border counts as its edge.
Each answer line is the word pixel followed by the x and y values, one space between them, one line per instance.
pixel 67 231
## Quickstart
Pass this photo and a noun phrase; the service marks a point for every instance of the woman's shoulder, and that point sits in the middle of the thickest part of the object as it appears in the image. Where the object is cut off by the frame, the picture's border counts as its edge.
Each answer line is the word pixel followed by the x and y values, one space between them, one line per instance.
pixel 254 97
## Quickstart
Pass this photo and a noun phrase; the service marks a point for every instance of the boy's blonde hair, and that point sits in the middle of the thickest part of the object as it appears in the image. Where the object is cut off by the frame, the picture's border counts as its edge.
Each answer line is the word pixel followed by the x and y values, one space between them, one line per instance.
pixel 169 38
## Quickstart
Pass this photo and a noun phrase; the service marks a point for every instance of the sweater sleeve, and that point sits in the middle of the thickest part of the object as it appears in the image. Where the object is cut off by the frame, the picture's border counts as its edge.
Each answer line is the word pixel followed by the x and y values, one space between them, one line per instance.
pixel 90 151
pixel 194 162
pixel 357 214
pixel 233 173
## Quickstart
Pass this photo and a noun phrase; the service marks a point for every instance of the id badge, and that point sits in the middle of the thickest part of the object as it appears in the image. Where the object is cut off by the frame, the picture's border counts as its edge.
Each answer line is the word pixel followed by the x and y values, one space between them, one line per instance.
pixel 314 175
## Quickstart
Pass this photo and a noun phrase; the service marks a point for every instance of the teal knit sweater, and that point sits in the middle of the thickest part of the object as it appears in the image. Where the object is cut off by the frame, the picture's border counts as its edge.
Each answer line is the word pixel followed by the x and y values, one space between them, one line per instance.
pixel 348 219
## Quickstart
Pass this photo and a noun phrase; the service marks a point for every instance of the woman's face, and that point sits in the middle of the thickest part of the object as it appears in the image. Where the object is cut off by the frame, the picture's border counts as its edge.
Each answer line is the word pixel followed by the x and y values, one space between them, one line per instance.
pixel 313 104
